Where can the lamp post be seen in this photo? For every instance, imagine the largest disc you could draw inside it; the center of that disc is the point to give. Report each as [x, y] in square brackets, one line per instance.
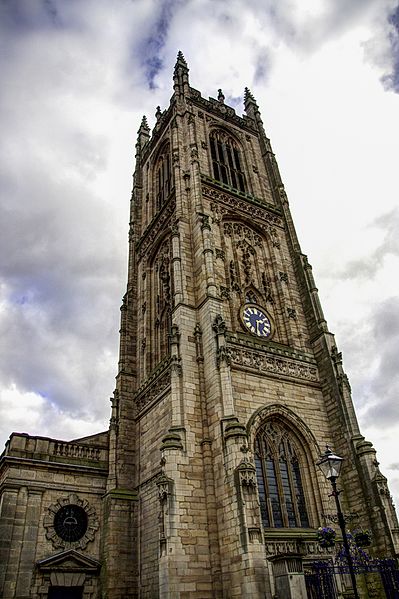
[330, 465]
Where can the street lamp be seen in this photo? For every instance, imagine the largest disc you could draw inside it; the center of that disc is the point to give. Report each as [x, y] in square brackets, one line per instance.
[330, 465]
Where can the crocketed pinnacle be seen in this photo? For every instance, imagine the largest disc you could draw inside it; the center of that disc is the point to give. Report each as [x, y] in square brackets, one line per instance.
[248, 97]
[144, 128]
[180, 61]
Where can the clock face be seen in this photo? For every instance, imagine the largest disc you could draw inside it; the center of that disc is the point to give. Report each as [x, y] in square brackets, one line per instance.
[70, 523]
[256, 321]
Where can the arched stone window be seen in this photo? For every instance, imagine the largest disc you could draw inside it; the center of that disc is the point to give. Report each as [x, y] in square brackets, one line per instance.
[162, 298]
[279, 469]
[163, 176]
[226, 160]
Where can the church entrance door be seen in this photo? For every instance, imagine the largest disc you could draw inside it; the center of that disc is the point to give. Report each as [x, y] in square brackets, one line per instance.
[65, 593]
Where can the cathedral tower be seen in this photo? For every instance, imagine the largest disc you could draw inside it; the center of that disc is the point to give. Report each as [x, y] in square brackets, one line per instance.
[230, 383]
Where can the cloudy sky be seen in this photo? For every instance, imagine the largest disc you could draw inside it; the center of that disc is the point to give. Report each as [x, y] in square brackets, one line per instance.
[77, 75]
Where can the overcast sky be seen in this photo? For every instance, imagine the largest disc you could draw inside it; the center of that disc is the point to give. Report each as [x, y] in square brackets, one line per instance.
[77, 76]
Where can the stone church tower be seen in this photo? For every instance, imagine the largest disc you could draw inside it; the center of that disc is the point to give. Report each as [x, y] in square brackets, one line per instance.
[229, 387]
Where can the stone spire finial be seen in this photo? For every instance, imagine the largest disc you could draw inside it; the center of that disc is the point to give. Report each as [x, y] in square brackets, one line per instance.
[249, 99]
[251, 107]
[144, 128]
[180, 75]
[158, 113]
[220, 96]
[180, 62]
[143, 134]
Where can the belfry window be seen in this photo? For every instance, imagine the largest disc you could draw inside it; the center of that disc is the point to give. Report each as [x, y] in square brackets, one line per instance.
[279, 477]
[163, 177]
[226, 160]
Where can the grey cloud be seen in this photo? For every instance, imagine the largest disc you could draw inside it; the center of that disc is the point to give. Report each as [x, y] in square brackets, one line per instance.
[383, 389]
[391, 79]
[369, 266]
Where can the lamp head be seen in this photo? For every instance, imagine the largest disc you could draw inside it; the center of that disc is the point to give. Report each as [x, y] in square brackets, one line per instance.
[330, 464]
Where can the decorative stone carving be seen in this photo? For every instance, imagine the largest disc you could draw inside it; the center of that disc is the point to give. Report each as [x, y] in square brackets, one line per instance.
[175, 365]
[247, 475]
[220, 254]
[157, 383]
[163, 483]
[219, 325]
[174, 229]
[241, 233]
[205, 222]
[234, 285]
[220, 110]
[263, 362]
[254, 535]
[267, 288]
[194, 152]
[224, 292]
[49, 522]
[223, 354]
[291, 313]
[174, 334]
[158, 226]
[230, 204]
[283, 277]
[274, 237]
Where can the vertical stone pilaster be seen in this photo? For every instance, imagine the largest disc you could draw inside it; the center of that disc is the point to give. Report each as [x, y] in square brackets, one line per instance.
[119, 575]
[7, 552]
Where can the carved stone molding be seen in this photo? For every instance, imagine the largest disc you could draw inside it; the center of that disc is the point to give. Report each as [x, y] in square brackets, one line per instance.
[158, 225]
[220, 110]
[219, 325]
[154, 386]
[172, 440]
[164, 484]
[223, 355]
[229, 204]
[247, 475]
[234, 430]
[283, 277]
[224, 292]
[205, 224]
[175, 365]
[263, 362]
[295, 546]
[50, 525]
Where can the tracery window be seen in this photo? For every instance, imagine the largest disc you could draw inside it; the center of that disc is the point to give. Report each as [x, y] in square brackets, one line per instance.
[279, 471]
[163, 300]
[226, 160]
[163, 177]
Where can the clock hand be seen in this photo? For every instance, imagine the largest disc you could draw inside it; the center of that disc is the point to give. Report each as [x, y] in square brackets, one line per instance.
[257, 326]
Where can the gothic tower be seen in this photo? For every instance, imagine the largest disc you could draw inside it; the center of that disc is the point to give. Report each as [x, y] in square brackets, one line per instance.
[229, 387]
[230, 384]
